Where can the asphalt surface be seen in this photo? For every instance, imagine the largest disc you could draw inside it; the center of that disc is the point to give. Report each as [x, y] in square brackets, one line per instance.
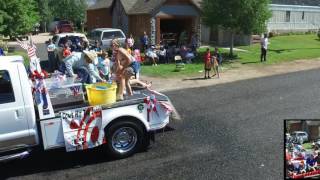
[41, 50]
[229, 131]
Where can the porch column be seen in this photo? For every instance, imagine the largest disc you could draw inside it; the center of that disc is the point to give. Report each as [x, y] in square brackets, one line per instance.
[158, 30]
[153, 31]
[198, 29]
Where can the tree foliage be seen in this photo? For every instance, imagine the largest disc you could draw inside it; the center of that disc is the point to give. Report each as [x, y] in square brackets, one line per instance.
[44, 12]
[17, 17]
[238, 16]
[73, 10]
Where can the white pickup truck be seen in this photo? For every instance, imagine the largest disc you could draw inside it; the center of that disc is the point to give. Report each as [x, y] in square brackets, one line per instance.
[123, 127]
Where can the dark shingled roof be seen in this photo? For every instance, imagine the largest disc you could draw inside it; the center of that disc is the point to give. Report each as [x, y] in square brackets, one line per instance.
[297, 2]
[101, 4]
[146, 6]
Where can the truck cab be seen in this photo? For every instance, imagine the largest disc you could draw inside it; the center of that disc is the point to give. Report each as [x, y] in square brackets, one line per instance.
[18, 127]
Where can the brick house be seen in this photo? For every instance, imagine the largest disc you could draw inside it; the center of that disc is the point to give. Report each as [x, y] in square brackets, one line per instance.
[156, 17]
[311, 127]
[99, 15]
[153, 16]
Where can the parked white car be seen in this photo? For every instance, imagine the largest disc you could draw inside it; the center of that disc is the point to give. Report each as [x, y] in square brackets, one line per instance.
[105, 36]
[302, 136]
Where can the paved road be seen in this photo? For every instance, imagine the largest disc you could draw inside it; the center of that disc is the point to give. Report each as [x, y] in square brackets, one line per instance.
[230, 131]
[41, 50]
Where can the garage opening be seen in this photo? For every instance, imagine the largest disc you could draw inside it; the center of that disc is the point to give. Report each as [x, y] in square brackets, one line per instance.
[173, 30]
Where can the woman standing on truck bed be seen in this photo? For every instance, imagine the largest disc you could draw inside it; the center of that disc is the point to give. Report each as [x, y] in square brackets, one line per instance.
[122, 68]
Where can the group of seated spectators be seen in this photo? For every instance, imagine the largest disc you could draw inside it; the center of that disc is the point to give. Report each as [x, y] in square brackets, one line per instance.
[164, 54]
[300, 161]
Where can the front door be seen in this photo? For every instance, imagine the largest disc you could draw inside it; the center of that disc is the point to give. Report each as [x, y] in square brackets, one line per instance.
[14, 131]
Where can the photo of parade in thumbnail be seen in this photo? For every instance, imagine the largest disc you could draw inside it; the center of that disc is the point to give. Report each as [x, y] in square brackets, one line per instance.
[302, 149]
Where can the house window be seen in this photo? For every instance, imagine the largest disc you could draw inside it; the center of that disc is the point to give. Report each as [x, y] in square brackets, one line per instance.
[302, 15]
[287, 16]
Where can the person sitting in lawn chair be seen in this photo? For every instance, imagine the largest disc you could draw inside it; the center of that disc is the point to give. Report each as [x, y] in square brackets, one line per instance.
[151, 54]
[187, 54]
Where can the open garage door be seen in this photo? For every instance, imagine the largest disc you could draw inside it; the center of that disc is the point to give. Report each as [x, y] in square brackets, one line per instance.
[173, 30]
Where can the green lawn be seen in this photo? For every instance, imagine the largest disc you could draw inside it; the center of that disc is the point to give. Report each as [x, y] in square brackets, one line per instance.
[281, 48]
[307, 145]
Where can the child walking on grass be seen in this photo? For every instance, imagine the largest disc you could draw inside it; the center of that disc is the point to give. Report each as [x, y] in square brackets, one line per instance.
[207, 64]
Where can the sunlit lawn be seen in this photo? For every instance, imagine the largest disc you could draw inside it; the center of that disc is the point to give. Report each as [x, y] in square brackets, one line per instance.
[281, 48]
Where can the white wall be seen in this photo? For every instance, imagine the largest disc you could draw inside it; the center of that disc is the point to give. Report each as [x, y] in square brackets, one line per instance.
[278, 23]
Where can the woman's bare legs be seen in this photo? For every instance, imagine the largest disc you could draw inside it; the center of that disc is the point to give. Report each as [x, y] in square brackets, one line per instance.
[128, 87]
[143, 84]
[121, 88]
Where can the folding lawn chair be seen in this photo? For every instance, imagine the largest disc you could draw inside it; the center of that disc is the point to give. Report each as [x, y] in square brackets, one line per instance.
[179, 64]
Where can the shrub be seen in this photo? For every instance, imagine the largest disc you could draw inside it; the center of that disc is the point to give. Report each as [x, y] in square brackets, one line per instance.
[3, 44]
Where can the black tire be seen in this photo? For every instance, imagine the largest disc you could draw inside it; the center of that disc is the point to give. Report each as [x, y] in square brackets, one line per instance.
[130, 134]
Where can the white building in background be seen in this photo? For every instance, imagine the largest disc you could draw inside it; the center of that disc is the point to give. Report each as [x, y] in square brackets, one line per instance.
[294, 18]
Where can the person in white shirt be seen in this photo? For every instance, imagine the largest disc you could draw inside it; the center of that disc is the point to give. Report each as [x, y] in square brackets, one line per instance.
[264, 48]
[51, 57]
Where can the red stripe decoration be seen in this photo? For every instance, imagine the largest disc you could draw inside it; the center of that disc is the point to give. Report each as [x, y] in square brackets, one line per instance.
[307, 175]
[23, 45]
[166, 106]
[83, 120]
[31, 48]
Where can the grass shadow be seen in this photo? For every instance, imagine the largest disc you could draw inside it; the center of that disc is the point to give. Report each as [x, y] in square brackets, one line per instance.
[278, 51]
[288, 50]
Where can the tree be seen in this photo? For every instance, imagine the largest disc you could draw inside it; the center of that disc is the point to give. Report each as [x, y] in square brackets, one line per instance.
[73, 10]
[237, 16]
[17, 17]
[45, 13]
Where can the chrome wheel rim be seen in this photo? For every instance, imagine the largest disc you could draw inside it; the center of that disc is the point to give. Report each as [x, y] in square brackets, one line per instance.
[124, 139]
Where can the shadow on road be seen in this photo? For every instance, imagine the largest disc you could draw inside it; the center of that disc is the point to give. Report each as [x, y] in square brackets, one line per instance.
[251, 62]
[48, 161]
[45, 162]
[194, 79]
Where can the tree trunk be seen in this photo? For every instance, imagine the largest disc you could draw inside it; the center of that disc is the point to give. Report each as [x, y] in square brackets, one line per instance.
[231, 44]
[45, 26]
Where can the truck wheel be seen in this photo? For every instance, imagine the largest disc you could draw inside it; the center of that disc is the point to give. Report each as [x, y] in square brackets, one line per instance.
[125, 138]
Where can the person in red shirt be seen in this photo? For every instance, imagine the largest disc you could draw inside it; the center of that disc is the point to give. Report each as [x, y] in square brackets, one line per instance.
[207, 63]
[66, 51]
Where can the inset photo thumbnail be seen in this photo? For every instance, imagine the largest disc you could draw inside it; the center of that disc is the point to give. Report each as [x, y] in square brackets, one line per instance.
[302, 149]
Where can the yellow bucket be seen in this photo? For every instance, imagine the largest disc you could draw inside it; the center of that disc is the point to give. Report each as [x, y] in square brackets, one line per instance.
[101, 93]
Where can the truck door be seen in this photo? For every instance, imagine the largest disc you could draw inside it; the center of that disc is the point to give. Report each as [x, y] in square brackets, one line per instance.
[14, 131]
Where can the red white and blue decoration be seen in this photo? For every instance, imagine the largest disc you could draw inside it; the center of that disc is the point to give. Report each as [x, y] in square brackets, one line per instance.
[82, 128]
